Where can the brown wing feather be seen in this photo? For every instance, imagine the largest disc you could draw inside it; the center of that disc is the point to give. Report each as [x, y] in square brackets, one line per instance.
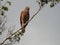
[21, 19]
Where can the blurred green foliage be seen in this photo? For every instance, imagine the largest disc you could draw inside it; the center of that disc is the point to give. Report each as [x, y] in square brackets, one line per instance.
[1, 0]
[52, 5]
[9, 2]
[2, 12]
[5, 8]
[53, 2]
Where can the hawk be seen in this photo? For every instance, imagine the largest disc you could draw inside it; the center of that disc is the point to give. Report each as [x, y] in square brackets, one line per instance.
[24, 17]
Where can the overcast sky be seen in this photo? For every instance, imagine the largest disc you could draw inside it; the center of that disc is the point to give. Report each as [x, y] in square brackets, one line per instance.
[44, 29]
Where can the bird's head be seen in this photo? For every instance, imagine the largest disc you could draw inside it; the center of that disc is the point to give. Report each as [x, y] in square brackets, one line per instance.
[27, 7]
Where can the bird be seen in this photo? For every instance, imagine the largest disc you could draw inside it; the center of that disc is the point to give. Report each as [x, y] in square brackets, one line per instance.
[24, 17]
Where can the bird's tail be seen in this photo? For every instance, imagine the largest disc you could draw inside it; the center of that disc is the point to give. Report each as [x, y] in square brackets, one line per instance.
[23, 30]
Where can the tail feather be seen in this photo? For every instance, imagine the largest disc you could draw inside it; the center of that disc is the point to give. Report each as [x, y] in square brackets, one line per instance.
[23, 30]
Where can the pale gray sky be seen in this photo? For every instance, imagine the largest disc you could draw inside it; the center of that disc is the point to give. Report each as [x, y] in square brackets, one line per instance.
[44, 29]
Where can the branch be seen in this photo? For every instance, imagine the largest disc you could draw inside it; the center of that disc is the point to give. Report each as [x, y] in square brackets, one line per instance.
[23, 26]
[3, 23]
